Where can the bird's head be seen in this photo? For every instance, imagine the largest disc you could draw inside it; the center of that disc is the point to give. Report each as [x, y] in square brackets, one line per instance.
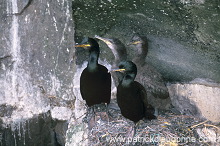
[130, 71]
[90, 44]
[140, 44]
[126, 67]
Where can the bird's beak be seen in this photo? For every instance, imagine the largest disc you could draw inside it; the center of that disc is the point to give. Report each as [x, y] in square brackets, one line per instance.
[120, 70]
[135, 43]
[105, 40]
[83, 45]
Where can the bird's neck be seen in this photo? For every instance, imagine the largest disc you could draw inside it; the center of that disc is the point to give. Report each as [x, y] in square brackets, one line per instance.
[128, 80]
[143, 50]
[119, 56]
[141, 55]
[93, 61]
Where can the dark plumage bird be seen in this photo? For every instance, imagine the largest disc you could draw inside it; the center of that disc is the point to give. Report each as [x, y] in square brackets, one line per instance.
[131, 95]
[148, 76]
[95, 81]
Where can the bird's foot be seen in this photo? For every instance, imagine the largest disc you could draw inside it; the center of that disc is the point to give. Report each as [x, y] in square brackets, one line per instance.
[90, 117]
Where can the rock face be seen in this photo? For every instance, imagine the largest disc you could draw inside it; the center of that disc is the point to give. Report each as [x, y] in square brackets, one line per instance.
[36, 67]
[77, 134]
[38, 130]
[184, 35]
[37, 50]
[199, 98]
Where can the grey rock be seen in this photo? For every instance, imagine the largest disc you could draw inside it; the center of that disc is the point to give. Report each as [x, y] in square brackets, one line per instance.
[6, 110]
[184, 36]
[36, 70]
[60, 130]
[39, 130]
[77, 134]
[37, 49]
[197, 98]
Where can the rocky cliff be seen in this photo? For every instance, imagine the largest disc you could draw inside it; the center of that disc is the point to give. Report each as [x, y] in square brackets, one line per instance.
[36, 67]
[39, 68]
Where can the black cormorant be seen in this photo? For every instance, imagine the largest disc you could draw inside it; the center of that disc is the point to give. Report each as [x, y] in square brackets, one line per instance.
[95, 80]
[131, 95]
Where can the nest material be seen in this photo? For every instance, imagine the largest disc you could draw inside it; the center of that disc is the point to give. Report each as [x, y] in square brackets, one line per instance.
[168, 129]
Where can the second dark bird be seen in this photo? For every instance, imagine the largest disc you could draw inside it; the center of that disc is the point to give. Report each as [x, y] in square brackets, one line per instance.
[131, 95]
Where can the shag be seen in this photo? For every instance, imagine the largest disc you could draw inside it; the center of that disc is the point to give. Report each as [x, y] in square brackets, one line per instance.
[95, 80]
[148, 76]
[131, 95]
